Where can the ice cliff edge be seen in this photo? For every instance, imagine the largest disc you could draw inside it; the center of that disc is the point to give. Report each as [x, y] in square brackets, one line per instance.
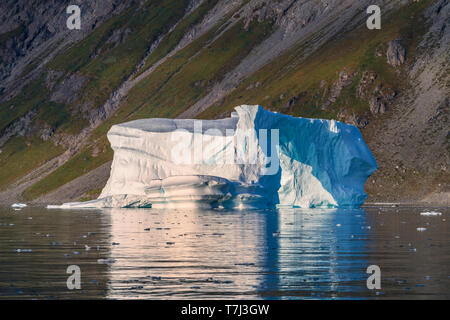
[255, 158]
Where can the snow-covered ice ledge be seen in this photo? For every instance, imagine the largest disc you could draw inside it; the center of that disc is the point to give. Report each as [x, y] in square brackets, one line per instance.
[254, 159]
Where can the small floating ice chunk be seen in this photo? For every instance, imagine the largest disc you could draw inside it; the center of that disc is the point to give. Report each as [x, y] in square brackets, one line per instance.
[431, 213]
[421, 229]
[18, 205]
[23, 250]
[106, 261]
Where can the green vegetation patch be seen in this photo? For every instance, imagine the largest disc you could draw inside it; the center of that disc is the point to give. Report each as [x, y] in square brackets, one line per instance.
[32, 96]
[292, 76]
[173, 38]
[19, 157]
[11, 34]
[91, 195]
[111, 52]
[87, 160]
[189, 75]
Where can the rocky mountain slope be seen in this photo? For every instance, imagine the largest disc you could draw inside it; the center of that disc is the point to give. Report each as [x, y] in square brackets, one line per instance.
[61, 90]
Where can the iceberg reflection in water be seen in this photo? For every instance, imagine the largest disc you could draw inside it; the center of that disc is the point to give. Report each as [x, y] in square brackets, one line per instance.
[256, 254]
[207, 254]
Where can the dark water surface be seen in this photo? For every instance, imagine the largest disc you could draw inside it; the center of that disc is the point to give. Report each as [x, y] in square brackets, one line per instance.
[283, 254]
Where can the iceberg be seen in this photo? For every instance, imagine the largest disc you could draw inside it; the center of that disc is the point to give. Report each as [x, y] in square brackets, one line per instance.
[254, 159]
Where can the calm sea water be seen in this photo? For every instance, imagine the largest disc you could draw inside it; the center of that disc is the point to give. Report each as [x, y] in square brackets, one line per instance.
[181, 254]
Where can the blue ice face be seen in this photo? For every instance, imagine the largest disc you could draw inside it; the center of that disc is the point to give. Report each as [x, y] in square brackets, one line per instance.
[324, 162]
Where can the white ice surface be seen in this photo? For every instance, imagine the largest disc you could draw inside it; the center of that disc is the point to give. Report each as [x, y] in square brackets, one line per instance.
[431, 213]
[19, 205]
[322, 163]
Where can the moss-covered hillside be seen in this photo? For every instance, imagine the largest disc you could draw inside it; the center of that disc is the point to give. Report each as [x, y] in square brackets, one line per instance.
[172, 58]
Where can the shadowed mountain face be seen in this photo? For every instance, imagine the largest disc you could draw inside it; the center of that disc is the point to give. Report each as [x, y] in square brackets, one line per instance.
[61, 90]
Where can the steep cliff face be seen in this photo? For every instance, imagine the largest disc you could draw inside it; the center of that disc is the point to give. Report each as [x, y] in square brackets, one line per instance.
[61, 90]
[33, 32]
[412, 140]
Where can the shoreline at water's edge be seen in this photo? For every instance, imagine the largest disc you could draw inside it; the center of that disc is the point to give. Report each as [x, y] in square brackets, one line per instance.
[405, 205]
[424, 205]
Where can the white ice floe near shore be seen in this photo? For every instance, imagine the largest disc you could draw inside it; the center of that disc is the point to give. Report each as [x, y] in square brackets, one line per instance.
[255, 158]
